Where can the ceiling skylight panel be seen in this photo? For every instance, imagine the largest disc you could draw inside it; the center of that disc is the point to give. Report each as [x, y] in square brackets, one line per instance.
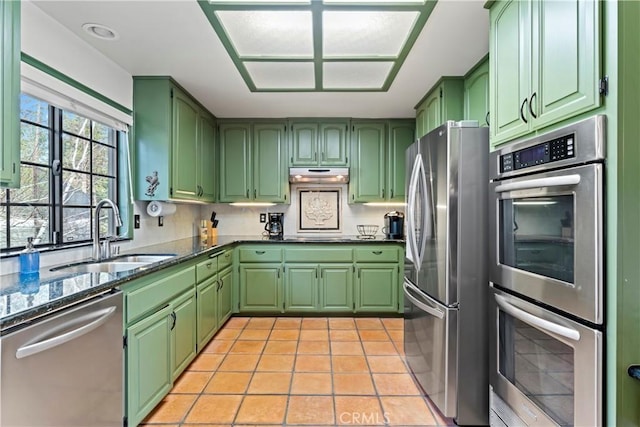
[375, 2]
[282, 75]
[259, 2]
[269, 34]
[355, 75]
[366, 34]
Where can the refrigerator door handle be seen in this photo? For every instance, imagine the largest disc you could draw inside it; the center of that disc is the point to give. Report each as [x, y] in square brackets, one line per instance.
[529, 318]
[422, 305]
[412, 253]
[425, 229]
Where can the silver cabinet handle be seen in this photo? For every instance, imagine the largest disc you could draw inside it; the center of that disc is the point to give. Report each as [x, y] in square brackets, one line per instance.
[529, 318]
[421, 305]
[47, 344]
[556, 181]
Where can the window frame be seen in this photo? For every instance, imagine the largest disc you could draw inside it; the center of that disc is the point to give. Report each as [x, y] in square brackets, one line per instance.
[56, 205]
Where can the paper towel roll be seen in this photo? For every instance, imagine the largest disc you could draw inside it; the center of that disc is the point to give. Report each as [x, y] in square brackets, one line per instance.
[156, 208]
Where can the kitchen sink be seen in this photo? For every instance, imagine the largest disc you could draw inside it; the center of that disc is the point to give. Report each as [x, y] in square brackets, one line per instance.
[114, 265]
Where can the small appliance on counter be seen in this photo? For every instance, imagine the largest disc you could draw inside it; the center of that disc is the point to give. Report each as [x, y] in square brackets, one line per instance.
[393, 225]
[275, 226]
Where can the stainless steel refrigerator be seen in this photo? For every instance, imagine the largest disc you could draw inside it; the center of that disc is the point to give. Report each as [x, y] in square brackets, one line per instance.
[446, 279]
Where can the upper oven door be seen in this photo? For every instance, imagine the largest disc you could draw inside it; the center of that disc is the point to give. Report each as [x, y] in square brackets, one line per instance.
[547, 239]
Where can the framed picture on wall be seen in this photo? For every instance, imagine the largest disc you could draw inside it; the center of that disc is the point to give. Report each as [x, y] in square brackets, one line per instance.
[319, 210]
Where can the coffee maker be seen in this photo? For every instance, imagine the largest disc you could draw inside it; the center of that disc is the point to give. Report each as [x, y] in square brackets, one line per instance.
[393, 225]
[275, 225]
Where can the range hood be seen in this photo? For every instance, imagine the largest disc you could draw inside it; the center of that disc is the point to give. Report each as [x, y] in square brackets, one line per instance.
[319, 175]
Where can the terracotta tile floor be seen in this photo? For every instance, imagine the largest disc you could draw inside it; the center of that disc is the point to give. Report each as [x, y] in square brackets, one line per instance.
[299, 372]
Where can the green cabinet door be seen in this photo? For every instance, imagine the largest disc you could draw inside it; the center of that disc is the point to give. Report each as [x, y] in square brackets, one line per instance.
[260, 285]
[421, 120]
[10, 94]
[301, 287]
[304, 144]
[148, 364]
[183, 332]
[510, 70]
[225, 296]
[208, 162]
[401, 136]
[476, 94]
[433, 116]
[270, 172]
[565, 78]
[336, 287]
[377, 287]
[235, 157]
[334, 144]
[207, 310]
[368, 165]
[185, 147]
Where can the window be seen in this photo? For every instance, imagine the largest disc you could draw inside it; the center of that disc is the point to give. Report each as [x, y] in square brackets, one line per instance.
[68, 164]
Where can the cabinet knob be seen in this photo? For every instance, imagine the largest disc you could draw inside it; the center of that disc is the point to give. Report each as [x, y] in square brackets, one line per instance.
[209, 264]
[634, 371]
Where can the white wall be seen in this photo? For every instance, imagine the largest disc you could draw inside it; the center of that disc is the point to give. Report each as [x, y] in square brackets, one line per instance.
[48, 41]
[245, 221]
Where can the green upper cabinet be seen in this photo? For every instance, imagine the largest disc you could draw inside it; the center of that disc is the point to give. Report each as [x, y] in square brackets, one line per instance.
[10, 94]
[185, 146]
[208, 160]
[476, 93]
[253, 162]
[235, 157]
[270, 174]
[324, 143]
[401, 136]
[367, 175]
[539, 75]
[443, 102]
[378, 167]
[175, 144]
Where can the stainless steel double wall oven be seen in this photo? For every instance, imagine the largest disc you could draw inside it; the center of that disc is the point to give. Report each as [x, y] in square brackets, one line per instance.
[546, 210]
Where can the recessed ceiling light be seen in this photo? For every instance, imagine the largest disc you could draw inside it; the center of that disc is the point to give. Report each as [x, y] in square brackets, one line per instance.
[101, 31]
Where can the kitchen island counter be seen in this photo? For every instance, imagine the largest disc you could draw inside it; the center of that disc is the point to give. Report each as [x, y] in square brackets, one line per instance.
[22, 301]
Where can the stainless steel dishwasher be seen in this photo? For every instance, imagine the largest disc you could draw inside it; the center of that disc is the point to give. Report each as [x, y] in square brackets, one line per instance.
[65, 369]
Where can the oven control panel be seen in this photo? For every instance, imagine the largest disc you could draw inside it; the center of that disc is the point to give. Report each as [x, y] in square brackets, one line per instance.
[546, 152]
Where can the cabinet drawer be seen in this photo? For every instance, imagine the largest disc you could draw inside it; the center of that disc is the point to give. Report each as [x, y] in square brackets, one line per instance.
[224, 260]
[377, 254]
[206, 269]
[260, 255]
[158, 292]
[318, 255]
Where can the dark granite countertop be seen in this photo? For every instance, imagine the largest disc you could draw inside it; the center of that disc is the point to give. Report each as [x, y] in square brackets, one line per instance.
[22, 301]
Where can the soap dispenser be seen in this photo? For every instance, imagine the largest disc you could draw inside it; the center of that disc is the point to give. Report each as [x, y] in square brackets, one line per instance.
[29, 260]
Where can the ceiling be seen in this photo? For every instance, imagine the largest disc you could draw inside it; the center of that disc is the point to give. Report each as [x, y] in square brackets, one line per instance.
[175, 38]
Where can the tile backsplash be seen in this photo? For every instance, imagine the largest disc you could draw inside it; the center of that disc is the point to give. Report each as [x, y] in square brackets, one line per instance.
[241, 221]
[244, 221]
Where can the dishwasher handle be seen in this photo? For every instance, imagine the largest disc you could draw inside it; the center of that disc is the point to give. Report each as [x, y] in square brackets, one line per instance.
[38, 347]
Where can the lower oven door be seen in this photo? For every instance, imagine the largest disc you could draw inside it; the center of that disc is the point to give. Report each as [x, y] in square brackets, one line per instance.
[547, 368]
[431, 347]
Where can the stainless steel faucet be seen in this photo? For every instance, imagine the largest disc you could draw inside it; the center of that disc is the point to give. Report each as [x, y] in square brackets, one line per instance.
[97, 253]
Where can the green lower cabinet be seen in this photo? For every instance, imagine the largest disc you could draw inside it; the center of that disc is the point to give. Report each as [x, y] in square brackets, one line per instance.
[225, 296]
[183, 332]
[336, 288]
[260, 287]
[207, 310]
[301, 288]
[377, 287]
[148, 364]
